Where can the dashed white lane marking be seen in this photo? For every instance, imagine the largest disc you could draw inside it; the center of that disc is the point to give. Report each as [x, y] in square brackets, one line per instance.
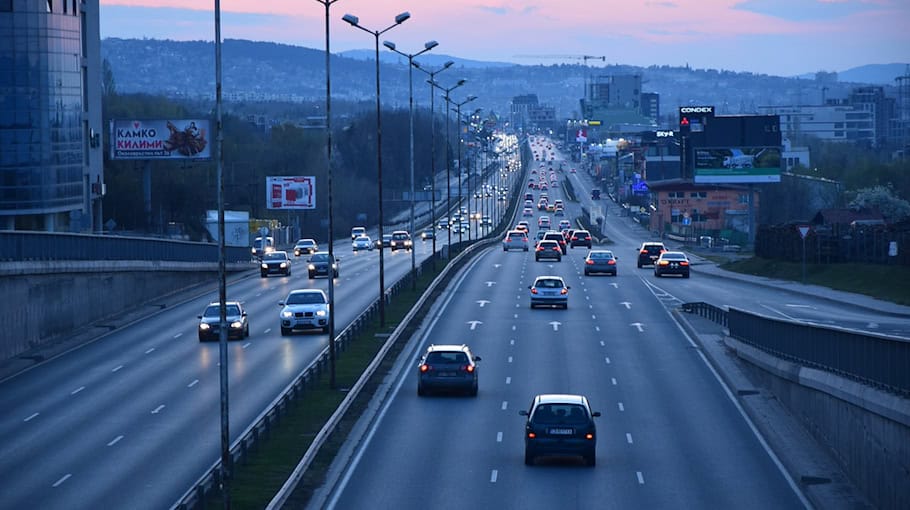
[517, 305]
[593, 317]
[607, 360]
[602, 344]
[267, 331]
[246, 345]
[597, 328]
[510, 359]
[158, 409]
[505, 405]
[63, 479]
[493, 476]
[514, 328]
[499, 437]
[515, 316]
[613, 380]
[512, 342]
[621, 407]
[150, 350]
[118, 367]
[178, 335]
[629, 437]
[641, 478]
[194, 383]
[508, 380]
[77, 390]
[32, 417]
[115, 440]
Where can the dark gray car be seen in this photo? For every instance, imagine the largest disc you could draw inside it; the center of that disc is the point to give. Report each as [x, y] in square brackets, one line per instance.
[319, 265]
[600, 261]
[447, 368]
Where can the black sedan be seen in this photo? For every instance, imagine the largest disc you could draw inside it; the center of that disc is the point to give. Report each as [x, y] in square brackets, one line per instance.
[600, 261]
[318, 265]
[238, 326]
[672, 262]
[276, 262]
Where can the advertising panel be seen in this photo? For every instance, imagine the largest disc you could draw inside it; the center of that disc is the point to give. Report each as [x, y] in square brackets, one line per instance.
[290, 192]
[737, 165]
[160, 139]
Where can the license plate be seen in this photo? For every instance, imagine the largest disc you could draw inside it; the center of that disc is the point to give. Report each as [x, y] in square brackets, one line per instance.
[561, 432]
[446, 374]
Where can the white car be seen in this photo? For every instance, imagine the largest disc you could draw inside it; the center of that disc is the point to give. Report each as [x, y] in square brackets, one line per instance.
[362, 243]
[304, 309]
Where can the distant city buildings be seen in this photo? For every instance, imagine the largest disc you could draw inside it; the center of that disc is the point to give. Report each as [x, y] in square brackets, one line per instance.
[619, 105]
[527, 114]
[51, 160]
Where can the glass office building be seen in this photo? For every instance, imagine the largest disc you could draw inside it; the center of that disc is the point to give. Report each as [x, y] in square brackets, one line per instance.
[45, 125]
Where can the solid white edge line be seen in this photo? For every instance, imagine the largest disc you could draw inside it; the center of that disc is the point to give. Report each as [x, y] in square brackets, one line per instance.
[118, 367]
[194, 383]
[115, 440]
[150, 350]
[32, 417]
[77, 390]
[352, 465]
[62, 479]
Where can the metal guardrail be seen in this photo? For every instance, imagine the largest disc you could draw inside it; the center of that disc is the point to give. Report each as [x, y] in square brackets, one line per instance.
[878, 360]
[19, 246]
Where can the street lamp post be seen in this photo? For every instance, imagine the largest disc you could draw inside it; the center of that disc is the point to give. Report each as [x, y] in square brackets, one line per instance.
[328, 160]
[432, 75]
[461, 168]
[448, 100]
[354, 21]
[426, 47]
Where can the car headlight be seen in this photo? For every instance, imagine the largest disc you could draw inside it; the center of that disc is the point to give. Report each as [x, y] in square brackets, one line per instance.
[334, 266]
[286, 314]
[311, 267]
[320, 313]
[265, 266]
[236, 325]
[284, 265]
[253, 251]
[204, 326]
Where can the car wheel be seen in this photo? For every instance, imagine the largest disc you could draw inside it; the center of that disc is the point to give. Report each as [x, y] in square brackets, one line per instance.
[529, 459]
[336, 274]
[591, 460]
[639, 265]
[685, 275]
[325, 330]
[565, 306]
[558, 259]
[587, 273]
[201, 338]
[285, 331]
[420, 391]
[473, 391]
[310, 275]
[505, 249]
[526, 249]
[246, 332]
[656, 274]
[536, 259]
[263, 275]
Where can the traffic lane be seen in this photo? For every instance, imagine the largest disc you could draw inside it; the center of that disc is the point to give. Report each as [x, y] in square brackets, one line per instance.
[131, 419]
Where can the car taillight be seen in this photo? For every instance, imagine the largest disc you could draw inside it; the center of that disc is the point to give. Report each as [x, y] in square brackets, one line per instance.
[556, 248]
[611, 262]
[424, 367]
[574, 238]
[589, 436]
[684, 263]
[468, 368]
[663, 263]
[533, 290]
[539, 248]
[564, 291]
[531, 435]
[644, 252]
[589, 262]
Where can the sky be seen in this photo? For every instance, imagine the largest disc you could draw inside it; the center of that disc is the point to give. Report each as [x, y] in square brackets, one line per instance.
[777, 37]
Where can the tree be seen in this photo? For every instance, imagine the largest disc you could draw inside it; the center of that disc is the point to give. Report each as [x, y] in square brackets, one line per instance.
[883, 198]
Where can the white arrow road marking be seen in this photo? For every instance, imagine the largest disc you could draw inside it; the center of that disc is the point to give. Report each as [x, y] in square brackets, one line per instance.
[178, 335]
[615, 285]
[497, 266]
[555, 325]
[638, 325]
[474, 324]
[490, 284]
[627, 304]
[158, 409]
[482, 302]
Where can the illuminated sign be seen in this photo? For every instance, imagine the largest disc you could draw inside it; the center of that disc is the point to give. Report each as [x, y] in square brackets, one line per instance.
[666, 134]
[697, 109]
[290, 192]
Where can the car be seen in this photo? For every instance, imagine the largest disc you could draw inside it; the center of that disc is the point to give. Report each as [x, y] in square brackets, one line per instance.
[515, 240]
[235, 318]
[560, 425]
[486, 221]
[261, 246]
[276, 262]
[538, 237]
[362, 243]
[385, 242]
[319, 265]
[427, 233]
[572, 171]
[307, 246]
[564, 225]
[552, 235]
[527, 212]
[549, 291]
[523, 225]
[358, 231]
[528, 198]
[600, 261]
[304, 309]
[580, 238]
[401, 240]
[543, 222]
[559, 211]
[551, 208]
[672, 262]
[547, 249]
[447, 368]
[649, 252]
[559, 203]
[542, 204]
[442, 224]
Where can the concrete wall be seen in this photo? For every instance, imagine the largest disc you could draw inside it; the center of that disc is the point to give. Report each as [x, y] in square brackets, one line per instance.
[867, 430]
[44, 301]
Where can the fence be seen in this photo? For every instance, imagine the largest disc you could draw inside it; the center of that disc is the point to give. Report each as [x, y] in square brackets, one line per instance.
[868, 244]
[877, 360]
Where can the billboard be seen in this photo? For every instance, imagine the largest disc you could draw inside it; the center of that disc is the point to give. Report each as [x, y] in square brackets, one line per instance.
[290, 192]
[160, 139]
[737, 165]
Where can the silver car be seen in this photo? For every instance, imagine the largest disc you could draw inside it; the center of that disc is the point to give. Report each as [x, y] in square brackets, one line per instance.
[304, 309]
[549, 291]
[515, 240]
[362, 243]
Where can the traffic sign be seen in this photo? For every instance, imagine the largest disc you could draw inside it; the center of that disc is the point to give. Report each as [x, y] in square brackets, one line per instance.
[804, 231]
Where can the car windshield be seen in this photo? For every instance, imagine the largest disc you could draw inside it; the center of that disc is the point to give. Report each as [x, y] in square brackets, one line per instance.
[305, 243]
[560, 413]
[275, 255]
[319, 257]
[674, 256]
[305, 298]
[213, 311]
[548, 284]
[441, 357]
[601, 255]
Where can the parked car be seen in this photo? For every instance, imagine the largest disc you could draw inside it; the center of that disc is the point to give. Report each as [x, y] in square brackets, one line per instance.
[549, 291]
[515, 240]
[562, 425]
[362, 243]
[319, 265]
[304, 309]
[236, 319]
[401, 240]
[649, 252]
[547, 249]
[447, 368]
[672, 262]
[600, 261]
[276, 262]
[307, 246]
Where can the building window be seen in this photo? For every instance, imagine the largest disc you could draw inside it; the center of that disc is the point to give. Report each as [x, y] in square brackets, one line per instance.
[698, 194]
[743, 198]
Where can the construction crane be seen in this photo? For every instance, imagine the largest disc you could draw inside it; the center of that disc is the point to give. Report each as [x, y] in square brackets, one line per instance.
[584, 58]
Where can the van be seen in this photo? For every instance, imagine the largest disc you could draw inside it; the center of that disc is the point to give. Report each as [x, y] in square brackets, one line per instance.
[358, 231]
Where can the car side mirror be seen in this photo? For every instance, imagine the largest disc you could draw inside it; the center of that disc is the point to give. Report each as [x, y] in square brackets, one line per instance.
[198, 316]
[595, 414]
[476, 358]
[281, 303]
[243, 314]
[568, 286]
[522, 413]
[530, 286]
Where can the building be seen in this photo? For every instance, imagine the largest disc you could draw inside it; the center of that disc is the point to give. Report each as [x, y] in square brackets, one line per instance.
[51, 160]
[691, 210]
[835, 121]
[619, 105]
